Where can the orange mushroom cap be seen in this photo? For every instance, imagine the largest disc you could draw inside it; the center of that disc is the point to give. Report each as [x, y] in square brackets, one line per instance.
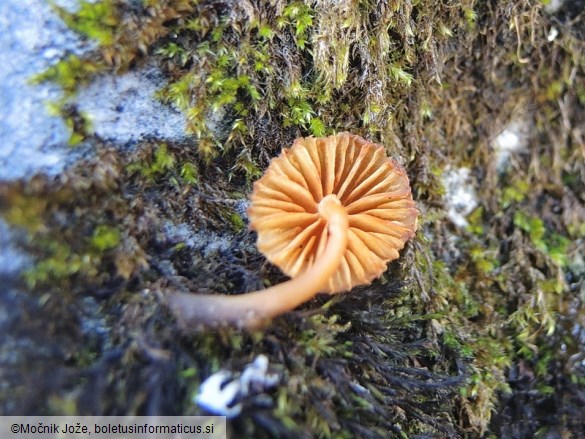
[373, 188]
[330, 212]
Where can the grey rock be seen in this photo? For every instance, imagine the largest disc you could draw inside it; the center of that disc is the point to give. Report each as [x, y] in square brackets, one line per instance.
[32, 38]
[12, 260]
[122, 108]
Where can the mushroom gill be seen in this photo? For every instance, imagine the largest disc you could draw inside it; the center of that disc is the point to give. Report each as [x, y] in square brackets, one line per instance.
[330, 213]
[373, 188]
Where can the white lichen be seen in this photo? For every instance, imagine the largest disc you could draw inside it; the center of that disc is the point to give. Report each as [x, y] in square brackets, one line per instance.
[460, 196]
[511, 140]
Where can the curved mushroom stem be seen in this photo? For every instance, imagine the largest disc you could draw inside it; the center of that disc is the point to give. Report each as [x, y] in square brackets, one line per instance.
[253, 309]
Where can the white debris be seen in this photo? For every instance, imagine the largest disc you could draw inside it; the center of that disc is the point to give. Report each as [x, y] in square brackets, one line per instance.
[553, 6]
[223, 392]
[218, 393]
[256, 376]
[553, 34]
[512, 139]
[460, 196]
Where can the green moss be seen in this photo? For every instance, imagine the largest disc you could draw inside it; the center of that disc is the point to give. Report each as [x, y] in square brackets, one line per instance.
[485, 259]
[515, 193]
[189, 173]
[96, 20]
[174, 51]
[59, 264]
[321, 339]
[237, 222]
[69, 73]
[476, 221]
[162, 162]
[105, 238]
[25, 212]
[533, 226]
[554, 245]
[233, 63]
[299, 17]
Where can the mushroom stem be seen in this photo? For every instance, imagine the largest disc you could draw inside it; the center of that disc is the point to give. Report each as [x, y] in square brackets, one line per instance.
[255, 308]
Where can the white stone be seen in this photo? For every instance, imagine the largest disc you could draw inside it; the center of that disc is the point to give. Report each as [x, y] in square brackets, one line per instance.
[511, 140]
[460, 196]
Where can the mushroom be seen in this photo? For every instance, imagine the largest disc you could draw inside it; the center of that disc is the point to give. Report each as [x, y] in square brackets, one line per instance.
[330, 213]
